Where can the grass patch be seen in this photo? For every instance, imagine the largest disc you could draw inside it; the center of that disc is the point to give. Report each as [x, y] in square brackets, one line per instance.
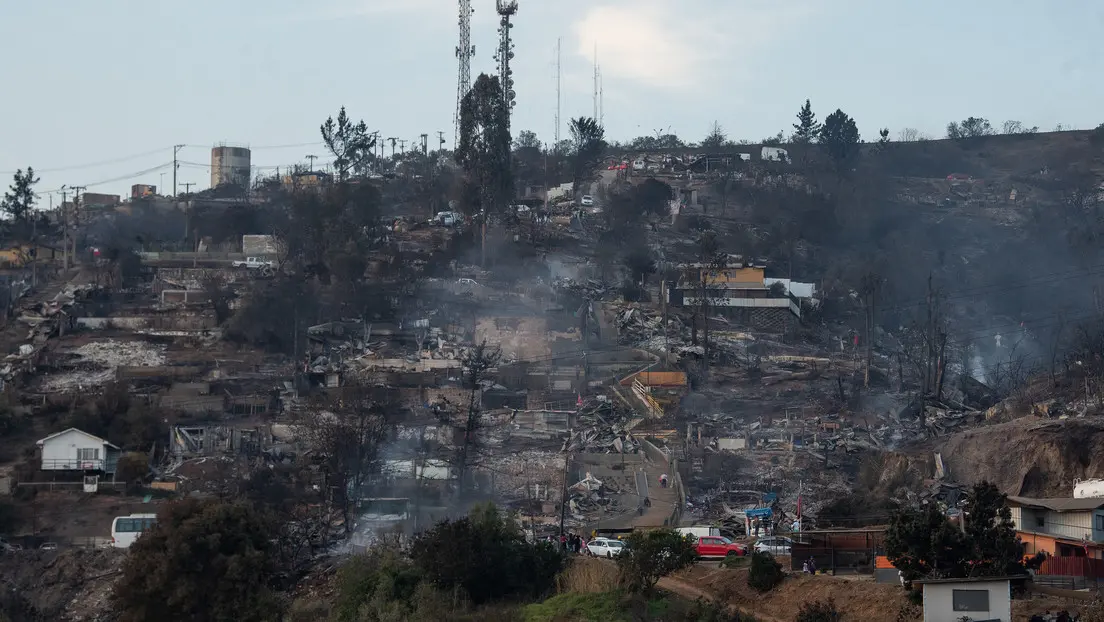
[575, 607]
[586, 575]
[612, 606]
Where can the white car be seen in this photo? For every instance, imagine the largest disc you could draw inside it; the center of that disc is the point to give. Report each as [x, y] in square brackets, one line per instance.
[775, 545]
[605, 547]
[587, 201]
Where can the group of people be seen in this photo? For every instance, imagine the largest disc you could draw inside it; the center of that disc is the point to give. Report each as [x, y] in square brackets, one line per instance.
[569, 543]
[1061, 616]
[809, 566]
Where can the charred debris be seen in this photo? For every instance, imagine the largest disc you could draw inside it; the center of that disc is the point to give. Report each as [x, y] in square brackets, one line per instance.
[384, 352]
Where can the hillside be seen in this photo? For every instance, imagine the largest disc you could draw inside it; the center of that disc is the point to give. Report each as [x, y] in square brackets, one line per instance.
[1030, 456]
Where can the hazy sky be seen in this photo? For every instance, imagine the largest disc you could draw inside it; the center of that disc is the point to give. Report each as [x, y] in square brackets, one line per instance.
[103, 89]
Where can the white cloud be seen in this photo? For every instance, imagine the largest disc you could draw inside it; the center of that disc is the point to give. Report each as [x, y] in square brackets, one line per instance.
[679, 44]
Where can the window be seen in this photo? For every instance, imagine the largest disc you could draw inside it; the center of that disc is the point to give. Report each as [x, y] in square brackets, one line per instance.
[970, 600]
[1099, 521]
[85, 454]
[1040, 521]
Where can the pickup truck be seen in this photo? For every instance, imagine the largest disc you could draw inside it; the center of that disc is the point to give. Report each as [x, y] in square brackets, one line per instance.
[253, 263]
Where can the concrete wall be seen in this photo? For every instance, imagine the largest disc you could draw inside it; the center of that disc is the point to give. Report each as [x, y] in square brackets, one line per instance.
[939, 601]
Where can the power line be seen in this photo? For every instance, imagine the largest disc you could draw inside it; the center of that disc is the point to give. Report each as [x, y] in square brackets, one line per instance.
[135, 156]
[75, 167]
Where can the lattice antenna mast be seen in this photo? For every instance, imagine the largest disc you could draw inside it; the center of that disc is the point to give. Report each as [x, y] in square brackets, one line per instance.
[464, 53]
[506, 9]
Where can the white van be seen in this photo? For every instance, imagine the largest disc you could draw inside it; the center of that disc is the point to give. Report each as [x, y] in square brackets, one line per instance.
[699, 532]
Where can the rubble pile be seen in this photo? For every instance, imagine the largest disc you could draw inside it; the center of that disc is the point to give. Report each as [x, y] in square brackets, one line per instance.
[590, 498]
[97, 361]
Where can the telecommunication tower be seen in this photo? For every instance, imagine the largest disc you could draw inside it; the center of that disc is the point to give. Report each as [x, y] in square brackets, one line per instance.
[464, 53]
[506, 9]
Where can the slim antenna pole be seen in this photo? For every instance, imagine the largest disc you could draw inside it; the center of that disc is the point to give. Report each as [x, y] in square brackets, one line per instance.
[596, 82]
[559, 99]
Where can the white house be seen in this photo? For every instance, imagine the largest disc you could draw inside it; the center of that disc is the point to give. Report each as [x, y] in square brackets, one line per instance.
[74, 450]
[979, 599]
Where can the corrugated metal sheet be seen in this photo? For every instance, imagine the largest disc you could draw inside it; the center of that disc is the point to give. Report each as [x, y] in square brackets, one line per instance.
[1073, 567]
[1059, 504]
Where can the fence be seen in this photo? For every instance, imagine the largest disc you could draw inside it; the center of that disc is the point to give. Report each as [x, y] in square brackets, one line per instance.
[839, 561]
[1073, 567]
[72, 486]
[30, 543]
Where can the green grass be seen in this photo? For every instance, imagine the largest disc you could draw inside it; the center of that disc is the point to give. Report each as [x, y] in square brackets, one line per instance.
[575, 607]
[592, 607]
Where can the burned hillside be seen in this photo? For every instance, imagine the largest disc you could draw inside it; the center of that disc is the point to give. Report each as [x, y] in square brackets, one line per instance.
[620, 340]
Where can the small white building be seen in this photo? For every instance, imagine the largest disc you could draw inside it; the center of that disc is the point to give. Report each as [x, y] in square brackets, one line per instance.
[979, 599]
[75, 450]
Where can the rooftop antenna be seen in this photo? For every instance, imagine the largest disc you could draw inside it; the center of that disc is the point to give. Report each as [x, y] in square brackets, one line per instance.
[464, 53]
[506, 9]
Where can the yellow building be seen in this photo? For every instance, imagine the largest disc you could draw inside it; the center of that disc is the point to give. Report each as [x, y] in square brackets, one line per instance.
[19, 255]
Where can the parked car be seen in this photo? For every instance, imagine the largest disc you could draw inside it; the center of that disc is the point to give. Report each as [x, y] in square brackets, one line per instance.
[605, 547]
[775, 545]
[587, 201]
[718, 546]
[49, 546]
[253, 263]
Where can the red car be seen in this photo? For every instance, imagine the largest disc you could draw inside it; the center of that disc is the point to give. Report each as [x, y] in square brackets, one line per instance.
[718, 546]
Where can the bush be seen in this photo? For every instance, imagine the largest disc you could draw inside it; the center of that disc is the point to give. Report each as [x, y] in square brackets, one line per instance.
[132, 468]
[378, 581]
[204, 560]
[1096, 136]
[819, 611]
[650, 555]
[765, 573]
[487, 557]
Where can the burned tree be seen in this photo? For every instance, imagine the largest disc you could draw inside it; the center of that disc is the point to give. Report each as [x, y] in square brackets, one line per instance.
[710, 262]
[348, 429]
[468, 420]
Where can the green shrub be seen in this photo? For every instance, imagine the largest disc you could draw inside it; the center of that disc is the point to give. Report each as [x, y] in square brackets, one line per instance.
[765, 573]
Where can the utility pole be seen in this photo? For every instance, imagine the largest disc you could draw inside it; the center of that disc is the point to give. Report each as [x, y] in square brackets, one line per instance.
[64, 217]
[563, 492]
[76, 209]
[312, 158]
[425, 144]
[441, 140]
[187, 186]
[176, 150]
[402, 145]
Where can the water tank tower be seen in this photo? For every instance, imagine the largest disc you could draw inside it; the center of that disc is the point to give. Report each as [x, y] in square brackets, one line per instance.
[229, 165]
[1088, 488]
